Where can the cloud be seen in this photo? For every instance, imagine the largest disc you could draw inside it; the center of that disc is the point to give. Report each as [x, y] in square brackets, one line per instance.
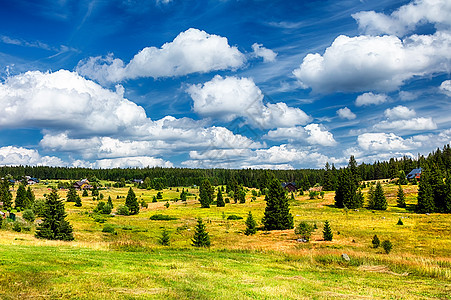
[313, 134]
[445, 87]
[231, 97]
[192, 51]
[132, 162]
[14, 156]
[267, 54]
[65, 100]
[415, 124]
[346, 113]
[316, 135]
[380, 63]
[370, 98]
[406, 18]
[399, 113]
[385, 142]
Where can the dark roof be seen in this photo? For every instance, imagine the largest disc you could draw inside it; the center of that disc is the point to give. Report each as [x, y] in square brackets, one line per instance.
[414, 173]
[284, 184]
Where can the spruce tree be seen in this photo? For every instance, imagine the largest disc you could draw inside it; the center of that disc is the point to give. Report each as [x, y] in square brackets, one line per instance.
[78, 201]
[327, 232]
[371, 197]
[30, 197]
[438, 187]
[132, 202]
[183, 195]
[380, 201]
[251, 225]
[220, 200]
[110, 202]
[205, 194]
[402, 178]
[21, 197]
[347, 192]
[71, 195]
[376, 242]
[448, 195]
[401, 198]
[164, 239]
[54, 225]
[425, 194]
[201, 237]
[5, 195]
[277, 212]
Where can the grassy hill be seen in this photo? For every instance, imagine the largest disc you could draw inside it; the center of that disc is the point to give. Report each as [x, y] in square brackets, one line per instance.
[130, 264]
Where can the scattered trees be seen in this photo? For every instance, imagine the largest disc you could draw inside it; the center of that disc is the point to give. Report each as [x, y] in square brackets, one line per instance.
[54, 225]
[277, 212]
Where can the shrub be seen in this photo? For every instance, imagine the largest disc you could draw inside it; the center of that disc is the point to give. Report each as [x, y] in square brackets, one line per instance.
[17, 227]
[164, 239]
[108, 228]
[159, 195]
[123, 210]
[28, 215]
[161, 217]
[166, 204]
[234, 217]
[103, 208]
[313, 194]
[400, 222]
[85, 193]
[304, 230]
[387, 245]
[38, 207]
[227, 200]
[144, 204]
[376, 242]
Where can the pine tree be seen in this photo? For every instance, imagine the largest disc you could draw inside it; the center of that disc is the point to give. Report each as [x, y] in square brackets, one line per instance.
[347, 192]
[448, 195]
[219, 199]
[327, 232]
[201, 237]
[54, 225]
[376, 242]
[402, 178]
[5, 195]
[21, 197]
[132, 202]
[401, 198]
[30, 197]
[380, 201]
[183, 195]
[164, 239]
[277, 212]
[425, 194]
[438, 187]
[205, 194]
[251, 225]
[78, 201]
[371, 197]
[71, 195]
[110, 202]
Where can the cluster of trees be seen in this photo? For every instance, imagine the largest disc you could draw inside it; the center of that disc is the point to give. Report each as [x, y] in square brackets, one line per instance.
[434, 193]
[25, 198]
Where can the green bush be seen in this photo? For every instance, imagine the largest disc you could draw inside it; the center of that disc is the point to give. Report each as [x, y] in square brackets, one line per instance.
[376, 242]
[304, 230]
[161, 217]
[400, 222]
[17, 227]
[108, 228]
[28, 215]
[123, 210]
[234, 217]
[164, 239]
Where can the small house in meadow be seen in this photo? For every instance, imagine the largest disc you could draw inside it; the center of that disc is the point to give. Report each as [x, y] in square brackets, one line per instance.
[289, 186]
[415, 173]
[82, 185]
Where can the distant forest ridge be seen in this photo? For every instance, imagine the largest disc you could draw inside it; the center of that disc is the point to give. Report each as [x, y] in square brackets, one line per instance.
[440, 159]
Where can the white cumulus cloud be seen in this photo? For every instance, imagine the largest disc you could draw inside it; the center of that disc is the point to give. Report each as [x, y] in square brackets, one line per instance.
[415, 124]
[267, 54]
[445, 87]
[318, 136]
[370, 99]
[385, 142]
[231, 97]
[399, 113]
[14, 156]
[192, 51]
[132, 162]
[346, 113]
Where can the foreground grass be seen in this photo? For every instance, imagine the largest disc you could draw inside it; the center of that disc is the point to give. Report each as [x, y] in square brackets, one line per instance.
[48, 272]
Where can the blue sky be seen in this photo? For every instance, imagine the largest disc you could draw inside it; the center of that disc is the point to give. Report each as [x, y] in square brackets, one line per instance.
[222, 83]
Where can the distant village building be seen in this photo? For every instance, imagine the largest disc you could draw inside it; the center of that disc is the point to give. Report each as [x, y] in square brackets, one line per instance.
[289, 186]
[415, 173]
[82, 185]
[316, 189]
[138, 181]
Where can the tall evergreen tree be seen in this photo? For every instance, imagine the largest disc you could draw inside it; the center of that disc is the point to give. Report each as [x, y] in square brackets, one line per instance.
[183, 195]
[31, 198]
[425, 194]
[219, 199]
[352, 166]
[251, 225]
[379, 199]
[438, 187]
[328, 183]
[21, 197]
[400, 197]
[78, 201]
[277, 212]
[327, 232]
[201, 237]
[110, 202]
[402, 178]
[371, 197]
[54, 225]
[132, 202]
[5, 195]
[71, 195]
[347, 193]
[448, 195]
[205, 194]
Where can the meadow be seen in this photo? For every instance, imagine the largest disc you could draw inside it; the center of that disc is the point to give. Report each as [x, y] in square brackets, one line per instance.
[130, 263]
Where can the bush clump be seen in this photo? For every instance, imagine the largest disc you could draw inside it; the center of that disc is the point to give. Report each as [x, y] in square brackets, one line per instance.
[108, 228]
[161, 217]
[304, 230]
[376, 242]
[123, 210]
[387, 245]
[28, 215]
[234, 217]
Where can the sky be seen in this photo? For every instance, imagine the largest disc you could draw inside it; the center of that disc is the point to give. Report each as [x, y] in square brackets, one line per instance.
[222, 83]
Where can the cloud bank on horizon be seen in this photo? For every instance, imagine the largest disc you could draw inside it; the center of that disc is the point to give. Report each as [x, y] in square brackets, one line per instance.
[226, 97]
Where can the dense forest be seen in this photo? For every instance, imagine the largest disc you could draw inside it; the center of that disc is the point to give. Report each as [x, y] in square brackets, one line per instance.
[305, 178]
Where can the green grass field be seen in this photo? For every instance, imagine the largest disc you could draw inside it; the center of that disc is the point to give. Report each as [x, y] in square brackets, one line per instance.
[131, 264]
